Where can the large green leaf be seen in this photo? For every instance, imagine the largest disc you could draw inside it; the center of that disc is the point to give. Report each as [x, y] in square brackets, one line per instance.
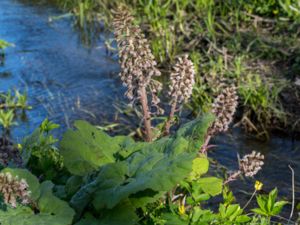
[25, 216]
[200, 167]
[148, 170]
[20, 216]
[87, 148]
[142, 171]
[52, 206]
[88, 221]
[73, 184]
[172, 219]
[160, 175]
[53, 211]
[112, 176]
[211, 185]
[123, 214]
[195, 131]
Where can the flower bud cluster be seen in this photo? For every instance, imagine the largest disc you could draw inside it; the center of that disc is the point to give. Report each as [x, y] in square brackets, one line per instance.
[224, 108]
[13, 189]
[250, 164]
[182, 80]
[138, 65]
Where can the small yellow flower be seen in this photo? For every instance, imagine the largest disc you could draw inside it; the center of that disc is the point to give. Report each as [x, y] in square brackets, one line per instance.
[181, 210]
[275, 12]
[19, 146]
[258, 185]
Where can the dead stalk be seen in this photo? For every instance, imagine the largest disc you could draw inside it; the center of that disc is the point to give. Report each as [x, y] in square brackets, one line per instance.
[293, 186]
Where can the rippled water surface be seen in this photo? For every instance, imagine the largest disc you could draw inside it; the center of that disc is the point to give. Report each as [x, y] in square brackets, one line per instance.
[63, 79]
[66, 81]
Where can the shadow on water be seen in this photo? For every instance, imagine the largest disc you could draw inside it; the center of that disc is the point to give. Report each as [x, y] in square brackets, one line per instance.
[66, 81]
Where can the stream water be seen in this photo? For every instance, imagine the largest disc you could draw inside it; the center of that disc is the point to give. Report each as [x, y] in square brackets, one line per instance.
[63, 79]
[66, 81]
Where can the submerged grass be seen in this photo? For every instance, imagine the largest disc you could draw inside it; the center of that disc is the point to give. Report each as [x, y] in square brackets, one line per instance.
[252, 44]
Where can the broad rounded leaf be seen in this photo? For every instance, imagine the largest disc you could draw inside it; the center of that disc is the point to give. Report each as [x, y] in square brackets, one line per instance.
[53, 206]
[87, 148]
[146, 170]
[211, 185]
[200, 167]
[73, 184]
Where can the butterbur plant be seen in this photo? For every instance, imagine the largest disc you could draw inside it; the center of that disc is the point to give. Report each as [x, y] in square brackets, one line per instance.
[223, 108]
[138, 65]
[13, 189]
[182, 80]
[249, 166]
[138, 68]
[91, 177]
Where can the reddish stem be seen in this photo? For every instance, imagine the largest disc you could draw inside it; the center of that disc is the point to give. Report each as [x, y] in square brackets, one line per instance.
[205, 145]
[146, 113]
[232, 177]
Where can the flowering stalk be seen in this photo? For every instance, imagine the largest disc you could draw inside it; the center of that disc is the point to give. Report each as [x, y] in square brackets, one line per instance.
[249, 166]
[181, 86]
[223, 108]
[138, 66]
[13, 189]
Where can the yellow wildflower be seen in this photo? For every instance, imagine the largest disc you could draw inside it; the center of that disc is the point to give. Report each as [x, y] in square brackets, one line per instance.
[181, 210]
[258, 185]
[19, 146]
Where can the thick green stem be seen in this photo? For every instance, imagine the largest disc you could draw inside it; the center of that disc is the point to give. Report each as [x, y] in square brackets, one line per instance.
[171, 117]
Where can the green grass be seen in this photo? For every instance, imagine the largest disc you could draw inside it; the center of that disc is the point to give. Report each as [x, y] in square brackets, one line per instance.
[254, 44]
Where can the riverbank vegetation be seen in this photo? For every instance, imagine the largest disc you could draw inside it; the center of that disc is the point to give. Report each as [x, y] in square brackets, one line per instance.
[163, 178]
[252, 44]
